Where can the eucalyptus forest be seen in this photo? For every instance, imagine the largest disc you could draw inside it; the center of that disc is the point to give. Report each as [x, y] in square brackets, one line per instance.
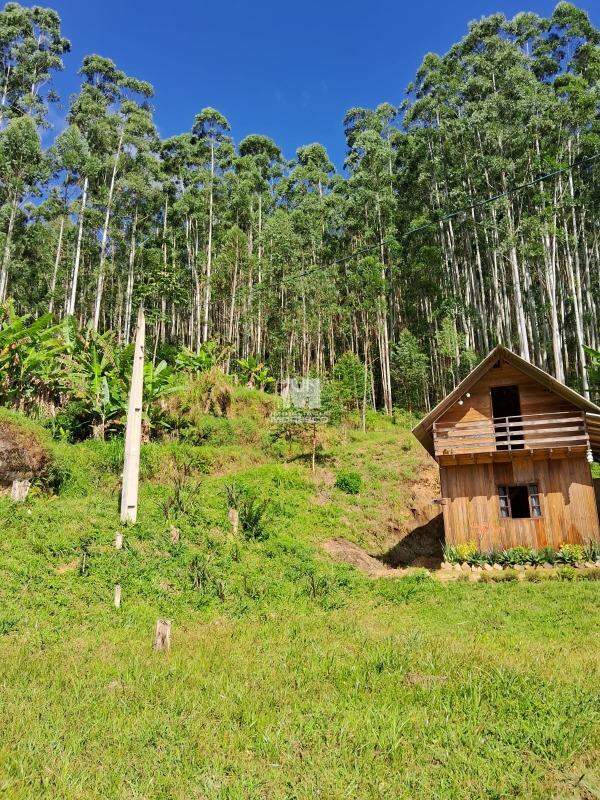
[466, 213]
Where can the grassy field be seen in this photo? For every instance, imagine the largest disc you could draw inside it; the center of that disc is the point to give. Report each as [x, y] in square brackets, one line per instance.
[289, 676]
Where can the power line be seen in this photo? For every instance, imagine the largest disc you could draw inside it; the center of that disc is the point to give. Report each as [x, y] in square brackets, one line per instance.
[450, 215]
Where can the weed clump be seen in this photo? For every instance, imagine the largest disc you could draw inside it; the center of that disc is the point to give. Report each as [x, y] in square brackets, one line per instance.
[252, 510]
[348, 481]
[497, 576]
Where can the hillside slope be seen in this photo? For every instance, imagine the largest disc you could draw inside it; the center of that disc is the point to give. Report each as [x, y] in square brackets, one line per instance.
[290, 675]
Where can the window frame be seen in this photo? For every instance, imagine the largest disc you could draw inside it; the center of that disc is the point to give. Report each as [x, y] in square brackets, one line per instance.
[533, 497]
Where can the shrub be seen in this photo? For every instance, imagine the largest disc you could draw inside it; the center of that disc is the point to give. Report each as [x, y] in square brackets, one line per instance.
[567, 573]
[478, 559]
[517, 555]
[570, 554]
[210, 430]
[505, 576]
[465, 550]
[534, 575]
[348, 481]
[592, 574]
[207, 393]
[547, 555]
[539, 575]
[332, 402]
[591, 551]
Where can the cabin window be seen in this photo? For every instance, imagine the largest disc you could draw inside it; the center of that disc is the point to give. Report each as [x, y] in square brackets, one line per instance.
[520, 502]
[534, 500]
[504, 501]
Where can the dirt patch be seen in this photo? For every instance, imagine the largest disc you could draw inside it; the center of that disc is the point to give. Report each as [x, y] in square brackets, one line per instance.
[349, 553]
[22, 455]
[62, 568]
[414, 542]
[418, 539]
[422, 546]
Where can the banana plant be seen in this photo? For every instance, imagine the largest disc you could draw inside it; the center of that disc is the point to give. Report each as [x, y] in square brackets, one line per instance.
[209, 355]
[95, 382]
[159, 382]
[254, 373]
[30, 367]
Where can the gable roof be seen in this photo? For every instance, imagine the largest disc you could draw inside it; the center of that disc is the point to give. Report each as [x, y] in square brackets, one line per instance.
[423, 431]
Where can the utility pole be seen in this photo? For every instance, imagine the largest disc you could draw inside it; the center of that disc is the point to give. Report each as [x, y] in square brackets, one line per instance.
[133, 432]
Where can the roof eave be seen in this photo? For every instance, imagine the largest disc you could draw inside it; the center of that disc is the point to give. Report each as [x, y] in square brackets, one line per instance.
[423, 430]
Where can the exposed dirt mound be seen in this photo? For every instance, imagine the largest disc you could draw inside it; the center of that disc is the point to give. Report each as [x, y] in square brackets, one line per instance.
[22, 455]
[416, 541]
[422, 546]
[350, 553]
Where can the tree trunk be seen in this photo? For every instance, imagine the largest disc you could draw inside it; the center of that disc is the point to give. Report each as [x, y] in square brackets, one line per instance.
[70, 309]
[130, 280]
[104, 241]
[207, 288]
[56, 264]
[7, 244]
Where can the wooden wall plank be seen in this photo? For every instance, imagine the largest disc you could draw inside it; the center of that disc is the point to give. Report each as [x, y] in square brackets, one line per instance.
[567, 499]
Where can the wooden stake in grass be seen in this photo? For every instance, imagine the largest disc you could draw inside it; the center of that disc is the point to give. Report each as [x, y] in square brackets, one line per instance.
[162, 635]
[234, 518]
[118, 595]
[133, 433]
[19, 490]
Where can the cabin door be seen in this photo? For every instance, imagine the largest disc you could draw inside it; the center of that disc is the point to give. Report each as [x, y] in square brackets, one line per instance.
[506, 411]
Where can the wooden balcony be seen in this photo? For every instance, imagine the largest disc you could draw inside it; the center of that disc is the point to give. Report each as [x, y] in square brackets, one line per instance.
[559, 431]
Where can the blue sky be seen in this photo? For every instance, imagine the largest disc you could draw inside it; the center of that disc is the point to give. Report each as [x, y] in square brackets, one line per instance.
[288, 70]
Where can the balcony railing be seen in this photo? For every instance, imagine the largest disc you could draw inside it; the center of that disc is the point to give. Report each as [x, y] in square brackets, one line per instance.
[525, 432]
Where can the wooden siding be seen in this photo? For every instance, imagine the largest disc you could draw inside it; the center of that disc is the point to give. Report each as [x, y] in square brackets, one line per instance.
[532, 432]
[535, 398]
[472, 511]
[470, 427]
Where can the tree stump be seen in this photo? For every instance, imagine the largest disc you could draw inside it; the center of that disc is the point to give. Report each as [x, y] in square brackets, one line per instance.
[162, 635]
[19, 490]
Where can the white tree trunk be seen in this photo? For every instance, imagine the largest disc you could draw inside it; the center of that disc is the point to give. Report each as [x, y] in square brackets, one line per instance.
[104, 241]
[56, 264]
[6, 254]
[70, 308]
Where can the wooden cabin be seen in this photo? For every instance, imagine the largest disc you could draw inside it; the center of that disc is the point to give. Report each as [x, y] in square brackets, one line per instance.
[513, 446]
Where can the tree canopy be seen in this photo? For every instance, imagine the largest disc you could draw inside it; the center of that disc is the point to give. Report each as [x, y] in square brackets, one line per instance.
[464, 216]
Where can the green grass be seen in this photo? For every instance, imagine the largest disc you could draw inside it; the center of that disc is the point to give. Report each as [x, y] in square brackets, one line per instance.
[289, 677]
